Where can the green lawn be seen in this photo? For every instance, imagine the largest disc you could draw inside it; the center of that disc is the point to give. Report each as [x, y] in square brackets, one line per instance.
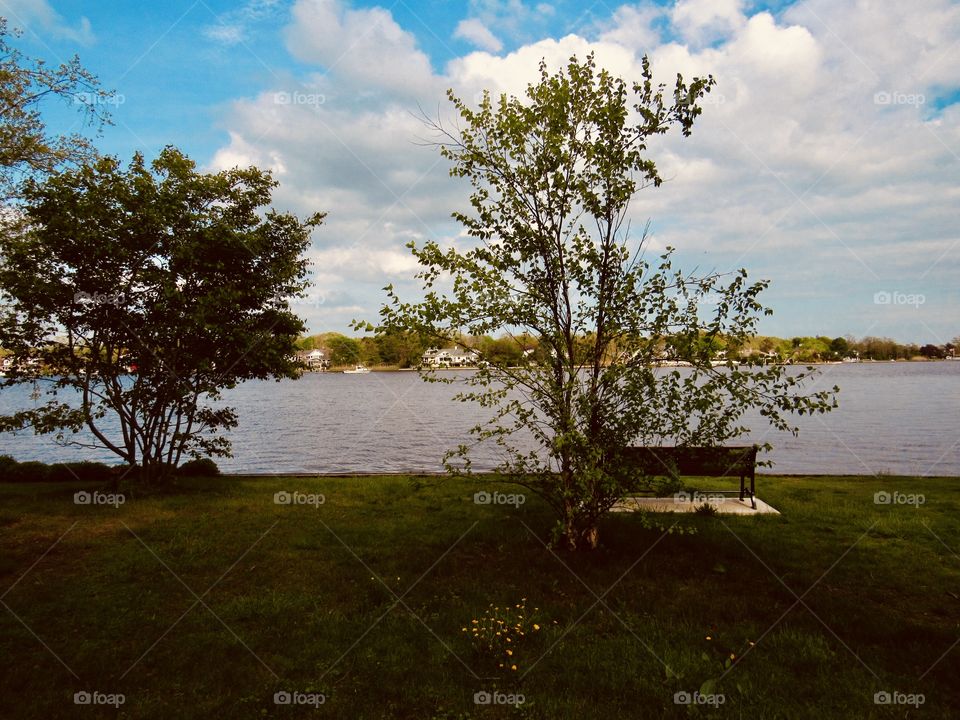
[206, 601]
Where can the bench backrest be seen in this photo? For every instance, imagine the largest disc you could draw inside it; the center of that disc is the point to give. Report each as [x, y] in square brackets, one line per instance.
[704, 461]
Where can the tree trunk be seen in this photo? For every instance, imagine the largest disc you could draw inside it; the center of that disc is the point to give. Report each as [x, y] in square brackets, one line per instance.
[155, 473]
[580, 534]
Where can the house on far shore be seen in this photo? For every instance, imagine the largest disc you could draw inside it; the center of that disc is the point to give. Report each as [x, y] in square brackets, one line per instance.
[315, 360]
[450, 358]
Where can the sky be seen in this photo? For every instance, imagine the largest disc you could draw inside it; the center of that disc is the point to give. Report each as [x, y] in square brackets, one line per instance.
[826, 160]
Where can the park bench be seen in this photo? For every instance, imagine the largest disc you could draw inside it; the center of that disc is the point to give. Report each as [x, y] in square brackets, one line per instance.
[675, 462]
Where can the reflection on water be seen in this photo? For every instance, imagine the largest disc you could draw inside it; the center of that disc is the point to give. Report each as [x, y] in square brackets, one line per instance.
[899, 418]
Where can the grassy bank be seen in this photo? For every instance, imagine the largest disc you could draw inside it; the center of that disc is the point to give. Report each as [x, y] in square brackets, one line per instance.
[207, 601]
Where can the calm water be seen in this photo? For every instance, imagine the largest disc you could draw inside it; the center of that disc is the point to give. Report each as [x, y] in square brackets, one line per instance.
[899, 418]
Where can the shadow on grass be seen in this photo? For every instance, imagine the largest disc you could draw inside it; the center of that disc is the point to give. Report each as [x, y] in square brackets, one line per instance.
[208, 598]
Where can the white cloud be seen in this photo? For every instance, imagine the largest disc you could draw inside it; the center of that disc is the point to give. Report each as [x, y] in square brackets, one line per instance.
[233, 27]
[701, 21]
[514, 19]
[474, 31]
[365, 47]
[514, 71]
[38, 16]
[793, 170]
[632, 26]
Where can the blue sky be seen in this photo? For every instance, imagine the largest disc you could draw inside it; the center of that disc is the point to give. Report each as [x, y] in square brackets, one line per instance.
[827, 160]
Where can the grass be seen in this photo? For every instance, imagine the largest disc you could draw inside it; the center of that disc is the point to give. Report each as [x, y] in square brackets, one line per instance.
[206, 601]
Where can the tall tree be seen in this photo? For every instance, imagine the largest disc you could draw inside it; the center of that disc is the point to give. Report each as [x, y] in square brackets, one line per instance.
[27, 149]
[551, 255]
[173, 274]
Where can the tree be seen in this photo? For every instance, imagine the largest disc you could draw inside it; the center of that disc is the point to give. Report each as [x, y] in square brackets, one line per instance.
[171, 274]
[399, 348]
[840, 348]
[369, 351]
[504, 350]
[550, 254]
[343, 350]
[26, 148]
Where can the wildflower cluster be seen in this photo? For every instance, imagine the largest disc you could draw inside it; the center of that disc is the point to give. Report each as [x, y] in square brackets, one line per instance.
[499, 631]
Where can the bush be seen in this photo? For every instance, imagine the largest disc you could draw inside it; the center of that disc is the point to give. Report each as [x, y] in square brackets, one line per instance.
[84, 471]
[89, 472]
[27, 472]
[203, 467]
[32, 471]
[6, 463]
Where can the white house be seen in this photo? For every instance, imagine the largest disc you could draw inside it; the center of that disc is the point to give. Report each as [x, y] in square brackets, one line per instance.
[450, 357]
[315, 360]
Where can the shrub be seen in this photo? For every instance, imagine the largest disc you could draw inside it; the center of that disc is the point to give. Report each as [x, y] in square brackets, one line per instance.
[202, 467]
[33, 471]
[84, 471]
[27, 472]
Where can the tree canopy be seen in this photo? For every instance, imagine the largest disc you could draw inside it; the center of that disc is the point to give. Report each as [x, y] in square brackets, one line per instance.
[27, 149]
[134, 296]
[550, 256]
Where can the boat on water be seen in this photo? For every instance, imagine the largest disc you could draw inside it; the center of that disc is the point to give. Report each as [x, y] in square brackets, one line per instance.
[358, 370]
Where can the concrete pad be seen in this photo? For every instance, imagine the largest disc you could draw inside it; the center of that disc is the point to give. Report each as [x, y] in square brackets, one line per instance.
[686, 504]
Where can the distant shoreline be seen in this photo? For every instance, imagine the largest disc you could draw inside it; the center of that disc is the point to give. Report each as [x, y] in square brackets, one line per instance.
[394, 368]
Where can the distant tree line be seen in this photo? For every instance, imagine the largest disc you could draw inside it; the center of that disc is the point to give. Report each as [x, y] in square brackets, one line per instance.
[822, 348]
[405, 350]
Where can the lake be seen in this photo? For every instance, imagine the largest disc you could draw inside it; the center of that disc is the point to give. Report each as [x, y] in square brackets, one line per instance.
[896, 418]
